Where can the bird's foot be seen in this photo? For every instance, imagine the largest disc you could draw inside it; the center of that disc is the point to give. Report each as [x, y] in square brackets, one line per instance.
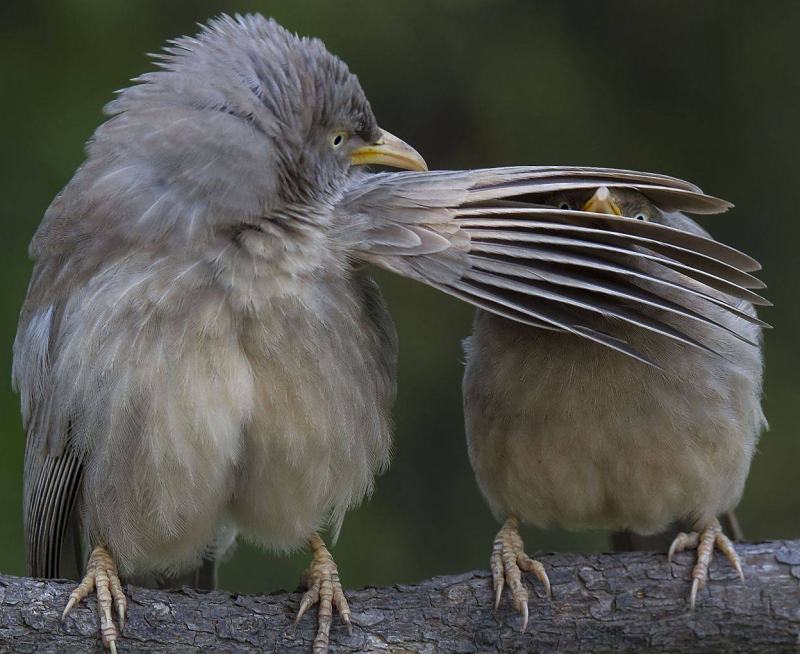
[103, 578]
[322, 580]
[508, 561]
[705, 541]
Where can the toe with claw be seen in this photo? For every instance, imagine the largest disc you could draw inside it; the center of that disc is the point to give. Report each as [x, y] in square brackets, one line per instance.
[322, 581]
[508, 562]
[705, 541]
[102, 577]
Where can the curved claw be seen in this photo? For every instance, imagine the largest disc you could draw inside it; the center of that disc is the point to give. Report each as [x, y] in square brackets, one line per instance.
[508, 561]
[537, 570]
[120, 603]
[310, 597]
[682, 542]
[102, 578]
[739, 571]
[705, 541]
[344, 609]
[725, 546]
[121, 614]
[70, 604]
[496, 565]
[693, 593]
[673, 548]
[498, 594]
[324, 588]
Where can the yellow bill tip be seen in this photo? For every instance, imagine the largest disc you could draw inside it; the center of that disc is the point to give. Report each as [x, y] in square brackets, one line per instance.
[390, 151]
[602, 202]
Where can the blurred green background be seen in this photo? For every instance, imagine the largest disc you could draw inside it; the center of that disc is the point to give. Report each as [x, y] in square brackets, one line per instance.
[708, 91]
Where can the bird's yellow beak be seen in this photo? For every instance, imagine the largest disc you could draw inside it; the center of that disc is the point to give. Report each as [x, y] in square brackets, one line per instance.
[389, 150]
[602, 202]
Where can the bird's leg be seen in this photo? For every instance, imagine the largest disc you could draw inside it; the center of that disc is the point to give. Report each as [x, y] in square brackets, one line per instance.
[705, 541]
[322, 581]
[102, 577]
[508, 561]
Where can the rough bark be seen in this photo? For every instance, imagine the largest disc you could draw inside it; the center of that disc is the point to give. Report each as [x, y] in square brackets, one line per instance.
[610, 602]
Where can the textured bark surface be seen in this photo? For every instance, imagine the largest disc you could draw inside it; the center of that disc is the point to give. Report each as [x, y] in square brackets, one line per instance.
[621, 602]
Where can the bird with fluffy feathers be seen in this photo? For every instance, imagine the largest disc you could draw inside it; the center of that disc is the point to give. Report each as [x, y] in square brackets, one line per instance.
[568, 433]
[201, 354]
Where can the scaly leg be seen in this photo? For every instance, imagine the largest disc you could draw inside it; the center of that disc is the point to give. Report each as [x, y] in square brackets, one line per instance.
[102, 577]
[322, 580]
[705, 541]
[508, 561]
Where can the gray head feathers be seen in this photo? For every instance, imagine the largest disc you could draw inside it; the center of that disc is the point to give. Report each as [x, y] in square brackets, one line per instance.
[234, 127]
[288, 88]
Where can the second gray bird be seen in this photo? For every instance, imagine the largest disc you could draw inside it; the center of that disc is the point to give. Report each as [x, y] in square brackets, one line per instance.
[564, 432]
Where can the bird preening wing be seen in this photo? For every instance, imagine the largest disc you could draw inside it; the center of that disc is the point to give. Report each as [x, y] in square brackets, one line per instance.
[485, 237]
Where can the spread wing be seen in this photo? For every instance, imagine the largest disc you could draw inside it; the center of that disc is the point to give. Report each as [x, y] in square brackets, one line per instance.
[482, 236]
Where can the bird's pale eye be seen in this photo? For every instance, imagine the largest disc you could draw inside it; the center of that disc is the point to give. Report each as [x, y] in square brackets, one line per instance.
[641, 216]
[338, 139]
[564, 206]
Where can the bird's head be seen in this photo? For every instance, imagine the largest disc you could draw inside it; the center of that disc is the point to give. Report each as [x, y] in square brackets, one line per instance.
[621, 202]
[241, 121]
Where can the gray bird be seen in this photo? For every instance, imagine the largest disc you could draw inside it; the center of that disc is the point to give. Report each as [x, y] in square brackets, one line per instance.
[201, 353]
[561, 431]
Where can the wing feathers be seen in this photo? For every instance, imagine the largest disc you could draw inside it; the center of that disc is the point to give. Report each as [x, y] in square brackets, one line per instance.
[599, 280]
[676, 253]
[667, 197]
[653, 233]
[508, 253]
[593, 305]
[482, 239]
[551, 315]
[591, 289]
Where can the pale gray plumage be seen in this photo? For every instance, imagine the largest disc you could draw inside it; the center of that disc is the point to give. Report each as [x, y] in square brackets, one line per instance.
[563, 432]
[200, 354]
[158, 314]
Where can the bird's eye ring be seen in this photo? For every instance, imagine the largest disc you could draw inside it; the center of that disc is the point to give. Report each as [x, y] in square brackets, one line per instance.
[338, 139]
[640, 216]
[564, 206]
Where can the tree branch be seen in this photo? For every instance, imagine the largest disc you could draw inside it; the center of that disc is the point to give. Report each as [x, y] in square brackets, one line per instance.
[629, 601]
